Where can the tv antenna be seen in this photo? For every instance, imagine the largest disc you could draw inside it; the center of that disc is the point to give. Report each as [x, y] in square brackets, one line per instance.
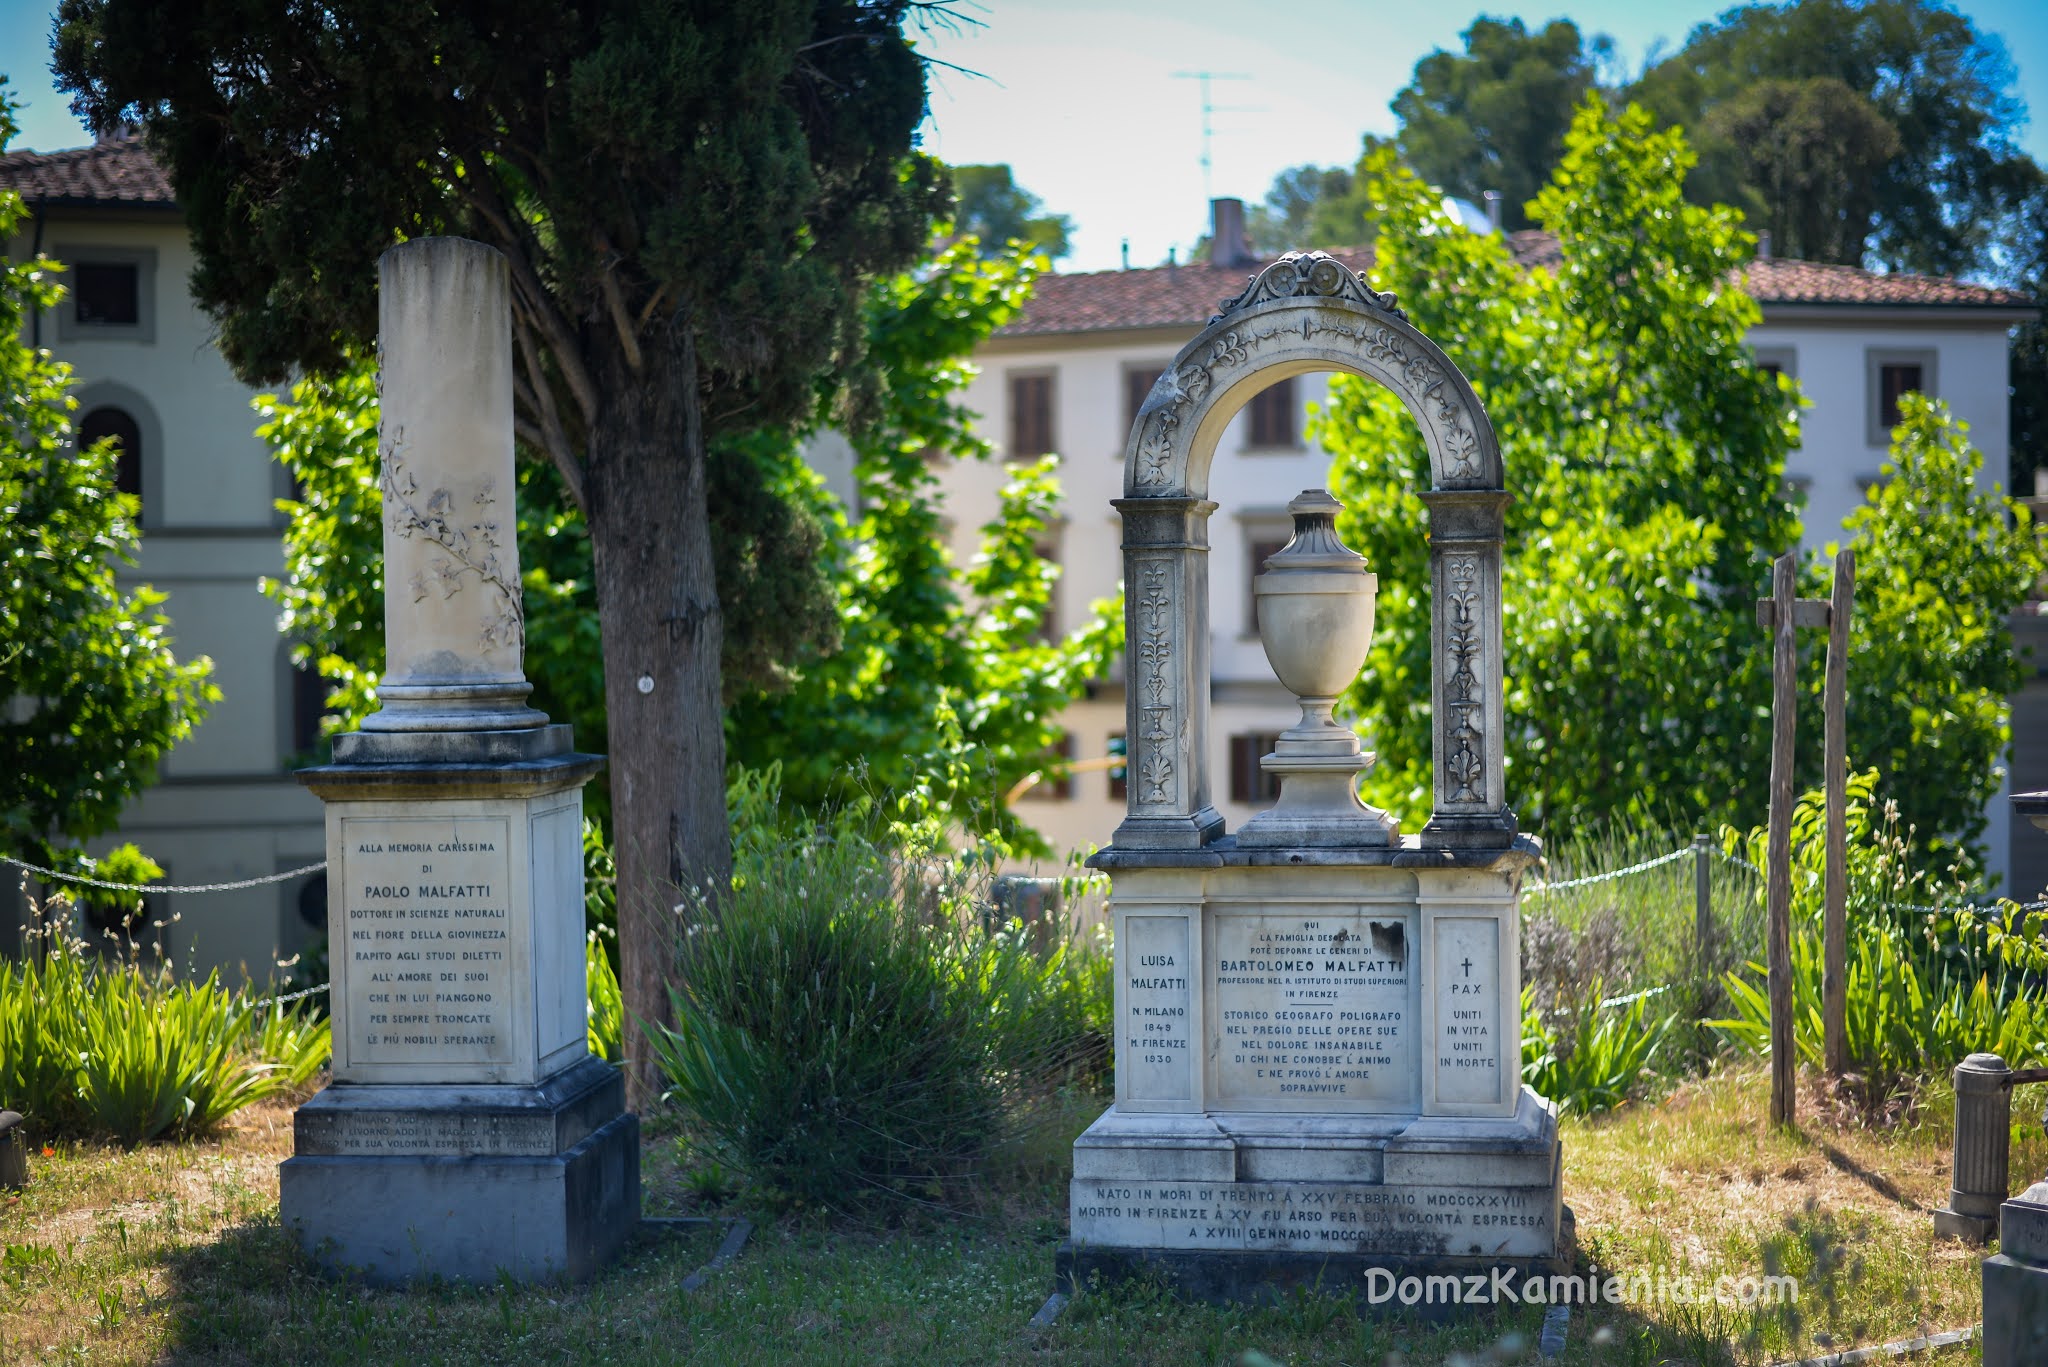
[1209, 110]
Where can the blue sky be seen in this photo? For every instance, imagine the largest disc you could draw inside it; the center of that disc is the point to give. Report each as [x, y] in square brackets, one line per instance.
[1082, 99]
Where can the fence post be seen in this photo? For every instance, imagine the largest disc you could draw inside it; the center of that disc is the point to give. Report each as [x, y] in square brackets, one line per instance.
[1703, 903]
[1778, 867]
[1835, 932]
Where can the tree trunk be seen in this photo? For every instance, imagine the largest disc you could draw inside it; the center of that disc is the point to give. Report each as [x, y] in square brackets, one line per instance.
[657, 603]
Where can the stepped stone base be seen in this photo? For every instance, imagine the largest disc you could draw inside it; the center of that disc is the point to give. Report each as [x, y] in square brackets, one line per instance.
[1240, 1207]
[398, 1184]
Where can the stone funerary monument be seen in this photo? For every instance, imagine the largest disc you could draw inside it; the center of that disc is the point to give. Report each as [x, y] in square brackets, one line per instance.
[1318, 1040]
[467, 1130]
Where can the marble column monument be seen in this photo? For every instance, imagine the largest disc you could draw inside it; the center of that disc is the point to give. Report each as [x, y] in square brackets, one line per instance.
[467, 1131]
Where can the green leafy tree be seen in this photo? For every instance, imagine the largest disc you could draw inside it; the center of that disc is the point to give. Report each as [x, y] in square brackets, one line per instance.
[1941, 201]
[1645, 453]
[1494, 117]
[1940, 568]
[1286, 222]
[1808, 158]
[91, 695]
[995, 210]
[690, 197]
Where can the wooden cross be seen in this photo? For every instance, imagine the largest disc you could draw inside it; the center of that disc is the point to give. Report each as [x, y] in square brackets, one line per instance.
[1782, 614]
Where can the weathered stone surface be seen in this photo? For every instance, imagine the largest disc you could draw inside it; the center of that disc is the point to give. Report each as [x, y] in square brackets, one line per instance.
[396, 1220]
[454, 622]
[502, 1121]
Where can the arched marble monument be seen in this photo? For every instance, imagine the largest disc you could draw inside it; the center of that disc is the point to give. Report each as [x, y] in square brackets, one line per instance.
[1318, 1021]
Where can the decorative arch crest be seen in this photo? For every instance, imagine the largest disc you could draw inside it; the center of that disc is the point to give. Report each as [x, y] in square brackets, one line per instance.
[1306, 312]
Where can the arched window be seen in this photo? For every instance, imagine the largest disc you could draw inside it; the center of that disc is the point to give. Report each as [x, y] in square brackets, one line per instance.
[127, 434]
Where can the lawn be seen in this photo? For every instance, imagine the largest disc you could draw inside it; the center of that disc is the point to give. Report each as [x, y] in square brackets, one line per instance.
[174, 1254]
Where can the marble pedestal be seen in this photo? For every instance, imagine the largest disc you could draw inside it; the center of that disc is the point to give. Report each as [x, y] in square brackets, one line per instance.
[467, 1132]
[2016, 1283]
[1318, 1075]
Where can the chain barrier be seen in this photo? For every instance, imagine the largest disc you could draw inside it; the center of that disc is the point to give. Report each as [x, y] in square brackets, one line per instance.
[162, 887]
[269, 1002]
[1643, 867]
[1633, 996]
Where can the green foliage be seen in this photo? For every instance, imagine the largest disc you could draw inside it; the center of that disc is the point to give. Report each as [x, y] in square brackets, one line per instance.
[104, 1047]
[691, 199]
[997, 212]
[1930, 977]
[605, 1008]
[1939, 203]
[943, 685]
[1645, 452]
[849, 1032]
[96, 695]
[1809, 156]
[1494, 118]
[1598, 1058]
[1288, 221]
[750, 164]
[1940, 569]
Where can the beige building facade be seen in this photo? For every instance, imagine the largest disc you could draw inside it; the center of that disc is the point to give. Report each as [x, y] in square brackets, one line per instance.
[225, 807]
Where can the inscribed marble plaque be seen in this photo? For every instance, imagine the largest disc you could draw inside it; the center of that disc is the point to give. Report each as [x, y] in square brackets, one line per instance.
[1157, 1048]
[1312, 1008]
[426, 912]
[1315, 1217]
[1468, 1025]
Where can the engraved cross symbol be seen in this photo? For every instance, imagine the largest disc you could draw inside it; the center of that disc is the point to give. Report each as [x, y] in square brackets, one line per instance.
[1467, 966]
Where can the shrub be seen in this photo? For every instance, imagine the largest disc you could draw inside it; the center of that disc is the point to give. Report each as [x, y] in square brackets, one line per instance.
[1598, 1057]
[847, 1029]
[113, 1048]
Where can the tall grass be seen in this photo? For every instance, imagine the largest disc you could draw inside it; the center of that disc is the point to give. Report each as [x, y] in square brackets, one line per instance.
[117, 1049]
[848, 1031]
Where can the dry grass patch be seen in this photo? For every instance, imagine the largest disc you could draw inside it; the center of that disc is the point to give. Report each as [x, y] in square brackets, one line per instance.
[174, 1255]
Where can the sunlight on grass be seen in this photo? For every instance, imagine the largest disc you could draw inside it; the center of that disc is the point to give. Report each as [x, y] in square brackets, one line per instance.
[174, 1254]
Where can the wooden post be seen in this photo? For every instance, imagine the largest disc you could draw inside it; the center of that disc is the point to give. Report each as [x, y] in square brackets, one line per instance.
[1778, 862]
[1835, 950]
[1702, 904]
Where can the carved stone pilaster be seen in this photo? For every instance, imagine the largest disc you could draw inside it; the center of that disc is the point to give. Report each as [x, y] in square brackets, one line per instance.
[1166, 567]
[1466, 672]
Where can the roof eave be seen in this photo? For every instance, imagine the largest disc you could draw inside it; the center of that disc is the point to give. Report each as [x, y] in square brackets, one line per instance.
[1870, 311]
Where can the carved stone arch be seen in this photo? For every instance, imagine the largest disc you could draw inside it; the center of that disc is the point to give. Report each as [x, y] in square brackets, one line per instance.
[1306, 312]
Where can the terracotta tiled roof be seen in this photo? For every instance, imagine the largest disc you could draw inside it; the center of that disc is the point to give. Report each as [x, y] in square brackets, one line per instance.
[1188, 296]
[1779, 281]
[117, 171]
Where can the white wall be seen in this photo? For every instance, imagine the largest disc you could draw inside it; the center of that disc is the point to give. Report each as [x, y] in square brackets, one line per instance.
[1835, 454]
[225, 809]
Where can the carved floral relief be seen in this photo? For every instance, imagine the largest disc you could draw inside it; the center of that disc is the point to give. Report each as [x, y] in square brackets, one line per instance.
[468, 541]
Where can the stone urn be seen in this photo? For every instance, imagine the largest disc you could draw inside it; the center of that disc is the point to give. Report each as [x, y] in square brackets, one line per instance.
[1315, 599]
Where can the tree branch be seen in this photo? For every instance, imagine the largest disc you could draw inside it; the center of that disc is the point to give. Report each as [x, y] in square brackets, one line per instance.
[482, 197]
[539, 397]
[615, 305]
